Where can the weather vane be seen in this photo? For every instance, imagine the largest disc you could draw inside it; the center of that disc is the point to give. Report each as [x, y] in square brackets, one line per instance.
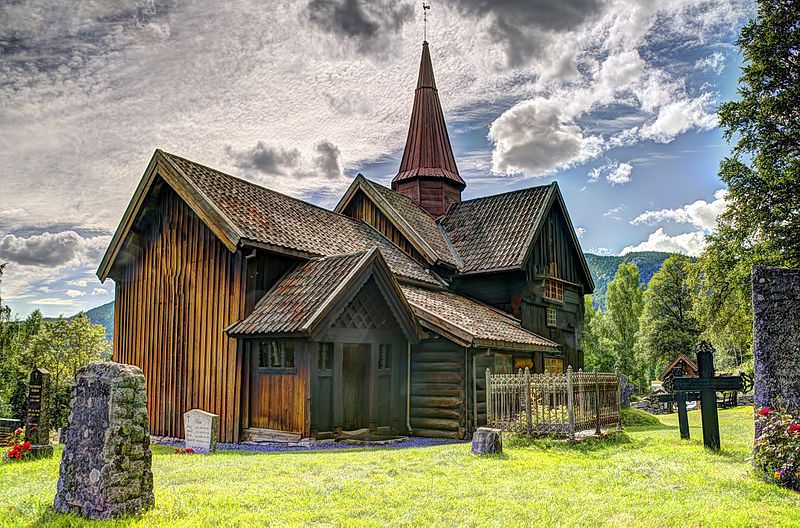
[425, 7]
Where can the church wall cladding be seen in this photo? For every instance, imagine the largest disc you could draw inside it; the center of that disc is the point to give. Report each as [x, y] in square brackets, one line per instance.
[274, 399]
[439, 386]
[521, 293]
[363, 209]
[173, 302]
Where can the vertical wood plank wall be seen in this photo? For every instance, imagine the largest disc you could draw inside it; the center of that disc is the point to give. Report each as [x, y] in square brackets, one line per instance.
[280, 401]
[173, 302]
[363, 209]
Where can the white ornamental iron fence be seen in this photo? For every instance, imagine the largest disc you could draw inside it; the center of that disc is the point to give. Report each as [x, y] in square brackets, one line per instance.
[553, 404]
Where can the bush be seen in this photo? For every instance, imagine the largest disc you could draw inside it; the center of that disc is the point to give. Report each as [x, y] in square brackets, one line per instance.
[777, 449]
[632, 417]
[60, 406]
[19, 401]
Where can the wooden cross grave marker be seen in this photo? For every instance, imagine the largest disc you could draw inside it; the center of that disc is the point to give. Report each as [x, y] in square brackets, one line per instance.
[706, 387]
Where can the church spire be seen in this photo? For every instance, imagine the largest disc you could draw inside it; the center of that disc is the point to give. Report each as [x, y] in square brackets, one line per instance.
[428, 173]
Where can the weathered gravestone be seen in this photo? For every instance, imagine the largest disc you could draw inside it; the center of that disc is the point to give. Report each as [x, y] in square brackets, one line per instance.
[105, 468]
[487, 441]
[200, 429]
[7, 428]
[776, 337]
[37, 422]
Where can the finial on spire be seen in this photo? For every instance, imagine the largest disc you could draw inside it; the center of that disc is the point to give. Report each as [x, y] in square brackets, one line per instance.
[425, 7]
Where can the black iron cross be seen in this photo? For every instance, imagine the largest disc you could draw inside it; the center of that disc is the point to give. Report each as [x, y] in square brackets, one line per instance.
[707, 385]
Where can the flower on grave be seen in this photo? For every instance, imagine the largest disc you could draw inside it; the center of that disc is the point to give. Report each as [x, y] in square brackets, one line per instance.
[778, 474]
[18, 431]
[794, 428]
[26, 446]
[765, 411]
[775, 449]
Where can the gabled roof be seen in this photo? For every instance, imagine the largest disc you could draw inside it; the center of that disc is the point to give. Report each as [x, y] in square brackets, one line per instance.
[307, 298]
[472, 324]
[498, 232]
[428, 152]
[411, 220]
[680, 359]
[244, 214]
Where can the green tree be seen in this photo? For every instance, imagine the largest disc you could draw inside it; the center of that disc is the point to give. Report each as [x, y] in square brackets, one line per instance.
[762, 220]
[595, 355]
[621, 320]
[763, 170]
[668, 326]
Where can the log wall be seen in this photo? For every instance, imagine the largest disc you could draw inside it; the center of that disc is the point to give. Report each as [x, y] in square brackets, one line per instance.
[438, 389]
[175, 293]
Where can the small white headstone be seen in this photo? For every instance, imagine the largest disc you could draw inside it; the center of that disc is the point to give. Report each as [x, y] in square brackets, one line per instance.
[201, 431]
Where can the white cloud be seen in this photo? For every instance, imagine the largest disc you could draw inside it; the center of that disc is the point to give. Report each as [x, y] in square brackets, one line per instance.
[99, 291]
[532, 137]
[74, 293]
[615, 212]
[713, 63]
[687, 243]
[681, 116]
[79, 282]
[621, 174]
[579, 232]
[700, 213]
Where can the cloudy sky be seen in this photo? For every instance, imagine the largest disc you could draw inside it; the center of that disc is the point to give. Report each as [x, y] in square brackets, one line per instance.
[614, 99]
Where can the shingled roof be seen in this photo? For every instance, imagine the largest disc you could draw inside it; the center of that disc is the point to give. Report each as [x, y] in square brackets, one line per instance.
[413, 221]
[495, 232]
[428, 152]
[243, 213]
[306, 296]
[470, 323]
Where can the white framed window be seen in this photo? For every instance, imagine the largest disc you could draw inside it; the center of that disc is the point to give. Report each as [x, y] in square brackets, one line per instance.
[551, 317]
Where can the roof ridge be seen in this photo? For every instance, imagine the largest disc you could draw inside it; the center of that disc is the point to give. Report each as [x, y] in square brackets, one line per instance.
[252, 184]
[515, 191]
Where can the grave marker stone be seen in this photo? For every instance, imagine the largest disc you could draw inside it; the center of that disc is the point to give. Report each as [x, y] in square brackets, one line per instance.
[200, 429]
[106, 464]
[776, 337]
[487, 441]
[37, 421]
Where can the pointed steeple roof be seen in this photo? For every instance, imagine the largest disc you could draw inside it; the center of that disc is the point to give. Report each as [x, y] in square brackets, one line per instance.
[428, 152]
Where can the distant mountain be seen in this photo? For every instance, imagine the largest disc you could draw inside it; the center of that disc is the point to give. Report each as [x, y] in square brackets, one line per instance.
[603, 269]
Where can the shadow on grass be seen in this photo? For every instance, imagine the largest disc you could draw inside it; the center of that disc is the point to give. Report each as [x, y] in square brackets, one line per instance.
[586, 445]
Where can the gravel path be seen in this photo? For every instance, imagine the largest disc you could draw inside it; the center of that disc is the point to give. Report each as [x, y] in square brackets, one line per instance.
[277, 447]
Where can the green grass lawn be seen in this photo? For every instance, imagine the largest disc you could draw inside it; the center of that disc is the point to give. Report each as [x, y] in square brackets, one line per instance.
[646, 476]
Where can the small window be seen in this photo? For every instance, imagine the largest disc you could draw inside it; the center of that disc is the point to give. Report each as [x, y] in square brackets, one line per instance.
[385, 356]
[554, 365]
[554, 290]
[325, 356]
[503, 364]
[277, 356]
[523, 362]
[551, 317]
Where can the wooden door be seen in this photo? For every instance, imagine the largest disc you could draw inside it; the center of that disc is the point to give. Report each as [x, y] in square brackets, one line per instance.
[355, 386]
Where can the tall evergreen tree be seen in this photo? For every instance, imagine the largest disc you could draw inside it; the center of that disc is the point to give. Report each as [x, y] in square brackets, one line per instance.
[667, 326]
[621, 321]
[763, 170]
[762, 220]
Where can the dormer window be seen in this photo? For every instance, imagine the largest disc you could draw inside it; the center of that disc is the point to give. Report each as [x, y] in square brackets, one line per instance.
[554, 290]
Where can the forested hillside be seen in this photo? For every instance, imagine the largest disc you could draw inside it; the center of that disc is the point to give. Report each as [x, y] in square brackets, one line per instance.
[603, 269]
[103, 315]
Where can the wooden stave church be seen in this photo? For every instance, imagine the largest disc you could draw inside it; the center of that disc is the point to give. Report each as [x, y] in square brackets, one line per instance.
[288, 320]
